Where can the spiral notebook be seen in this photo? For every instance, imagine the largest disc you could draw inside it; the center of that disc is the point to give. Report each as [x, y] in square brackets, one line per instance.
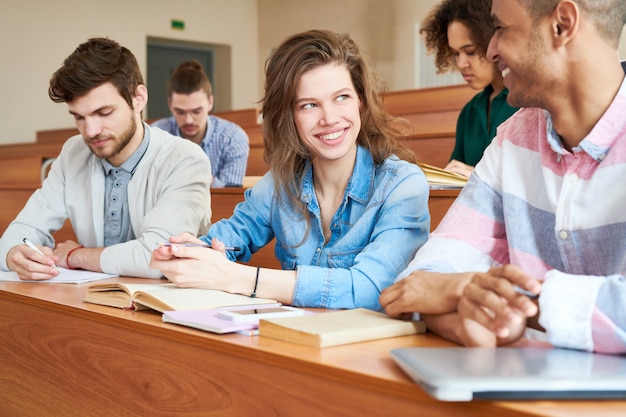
[463, 374]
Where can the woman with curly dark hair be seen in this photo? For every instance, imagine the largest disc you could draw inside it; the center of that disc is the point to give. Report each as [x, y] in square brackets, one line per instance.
[343, 199]
[458, 33]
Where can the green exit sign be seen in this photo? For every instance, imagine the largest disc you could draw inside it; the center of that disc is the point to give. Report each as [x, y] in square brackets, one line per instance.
[178, 24]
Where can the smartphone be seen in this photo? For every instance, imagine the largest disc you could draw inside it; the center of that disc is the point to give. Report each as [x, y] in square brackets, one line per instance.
[253, 315]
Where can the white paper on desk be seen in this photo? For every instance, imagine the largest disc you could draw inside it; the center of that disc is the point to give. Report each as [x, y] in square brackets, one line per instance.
[67, 276]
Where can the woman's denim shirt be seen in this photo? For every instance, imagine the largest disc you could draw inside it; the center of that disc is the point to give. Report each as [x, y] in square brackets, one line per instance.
[376, 231]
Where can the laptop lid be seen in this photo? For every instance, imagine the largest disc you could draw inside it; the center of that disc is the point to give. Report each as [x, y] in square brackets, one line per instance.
[463, 374]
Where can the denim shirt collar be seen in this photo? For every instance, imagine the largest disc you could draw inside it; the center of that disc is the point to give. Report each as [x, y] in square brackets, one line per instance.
[359, 186]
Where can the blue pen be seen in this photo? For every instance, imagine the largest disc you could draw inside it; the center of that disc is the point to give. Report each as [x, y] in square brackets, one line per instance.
[526, 293]
[200, 245]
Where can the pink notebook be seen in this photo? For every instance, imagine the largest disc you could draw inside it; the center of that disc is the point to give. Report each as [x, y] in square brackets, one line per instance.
[208, 320]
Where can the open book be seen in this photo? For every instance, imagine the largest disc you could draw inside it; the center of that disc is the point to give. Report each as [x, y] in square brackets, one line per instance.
[164, 297]
[338, 327]
[440, 178]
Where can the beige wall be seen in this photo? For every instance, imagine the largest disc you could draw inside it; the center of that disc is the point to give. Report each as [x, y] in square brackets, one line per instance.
[36, 35]
[384, 29]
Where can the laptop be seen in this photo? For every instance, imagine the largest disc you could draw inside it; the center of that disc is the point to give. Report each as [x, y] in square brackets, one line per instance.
[464, 374]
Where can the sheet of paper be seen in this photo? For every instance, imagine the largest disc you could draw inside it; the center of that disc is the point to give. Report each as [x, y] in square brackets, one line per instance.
[67, 276]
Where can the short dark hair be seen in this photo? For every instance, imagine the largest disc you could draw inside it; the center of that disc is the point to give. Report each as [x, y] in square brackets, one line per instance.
[608, 16]
[94, 63]
[188, 78]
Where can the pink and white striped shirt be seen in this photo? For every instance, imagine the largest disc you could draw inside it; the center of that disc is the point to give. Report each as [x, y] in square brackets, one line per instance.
[559, 215]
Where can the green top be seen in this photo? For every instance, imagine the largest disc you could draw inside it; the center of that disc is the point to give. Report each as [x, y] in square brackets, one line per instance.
[473, 132]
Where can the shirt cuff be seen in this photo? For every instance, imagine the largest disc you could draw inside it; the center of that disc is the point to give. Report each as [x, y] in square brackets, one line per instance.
[566, 305]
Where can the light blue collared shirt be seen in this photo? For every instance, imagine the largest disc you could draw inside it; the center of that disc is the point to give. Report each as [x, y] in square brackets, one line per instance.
[225, 143]
[117, 227]
[376, 231]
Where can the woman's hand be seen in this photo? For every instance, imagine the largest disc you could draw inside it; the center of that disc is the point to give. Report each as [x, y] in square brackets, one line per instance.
[195, 266]
[459, 167]
[164, 253]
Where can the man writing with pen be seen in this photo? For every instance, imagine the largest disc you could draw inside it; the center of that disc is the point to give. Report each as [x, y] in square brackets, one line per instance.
[124, 186]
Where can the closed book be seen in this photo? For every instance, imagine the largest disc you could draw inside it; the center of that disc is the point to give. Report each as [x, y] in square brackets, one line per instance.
[338, 327]
[164, 297]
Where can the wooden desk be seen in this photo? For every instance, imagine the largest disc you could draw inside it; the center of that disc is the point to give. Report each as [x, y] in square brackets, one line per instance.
[62, 357]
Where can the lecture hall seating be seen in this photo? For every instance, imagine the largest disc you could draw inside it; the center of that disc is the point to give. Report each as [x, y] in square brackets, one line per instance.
[432, 112]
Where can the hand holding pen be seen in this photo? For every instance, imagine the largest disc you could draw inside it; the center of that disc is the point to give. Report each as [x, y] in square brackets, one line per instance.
[188, 240]
[198, 245]
[32, 246]
[31, 263]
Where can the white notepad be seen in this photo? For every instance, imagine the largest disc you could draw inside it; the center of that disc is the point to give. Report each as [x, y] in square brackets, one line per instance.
[463, 374]
[67, 276]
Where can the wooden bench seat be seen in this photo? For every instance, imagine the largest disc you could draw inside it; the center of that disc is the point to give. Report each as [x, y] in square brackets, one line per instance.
[432, 112]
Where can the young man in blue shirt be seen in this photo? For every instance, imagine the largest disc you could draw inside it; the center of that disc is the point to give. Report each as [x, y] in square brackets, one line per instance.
[190, 99]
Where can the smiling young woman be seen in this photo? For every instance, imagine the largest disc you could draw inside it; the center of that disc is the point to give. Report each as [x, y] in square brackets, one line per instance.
[340, 194]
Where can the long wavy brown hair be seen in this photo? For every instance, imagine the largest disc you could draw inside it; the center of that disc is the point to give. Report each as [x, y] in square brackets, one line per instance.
[284, 152]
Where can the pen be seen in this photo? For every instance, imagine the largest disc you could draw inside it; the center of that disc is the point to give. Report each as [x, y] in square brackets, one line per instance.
[526, 293]
[30, 245]
[200, 245]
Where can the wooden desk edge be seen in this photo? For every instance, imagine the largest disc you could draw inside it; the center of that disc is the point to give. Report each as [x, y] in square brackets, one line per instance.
[397, 385]
[146, 322]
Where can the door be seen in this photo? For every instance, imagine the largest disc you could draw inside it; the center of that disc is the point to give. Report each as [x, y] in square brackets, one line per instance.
[163, 57]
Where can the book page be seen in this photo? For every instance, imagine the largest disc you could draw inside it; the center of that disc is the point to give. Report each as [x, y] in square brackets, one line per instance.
[67, 276]
[126, 287]
[169, 297]
[442, 178]
[116, 294]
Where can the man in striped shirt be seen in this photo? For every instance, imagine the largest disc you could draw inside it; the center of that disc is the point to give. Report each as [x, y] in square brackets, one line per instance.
[544, 209]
